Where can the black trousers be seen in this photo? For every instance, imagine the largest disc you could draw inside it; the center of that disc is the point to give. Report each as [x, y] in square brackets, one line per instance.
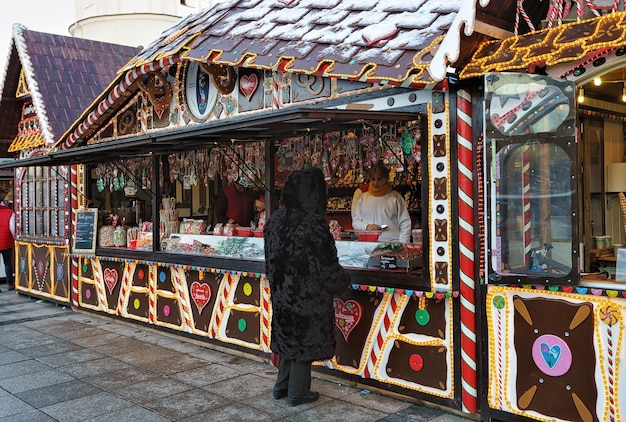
[294, 376]
[7, 257]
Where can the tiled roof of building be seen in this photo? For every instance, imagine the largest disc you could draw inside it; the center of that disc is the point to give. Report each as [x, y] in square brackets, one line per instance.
[64, 75]
[375, 40]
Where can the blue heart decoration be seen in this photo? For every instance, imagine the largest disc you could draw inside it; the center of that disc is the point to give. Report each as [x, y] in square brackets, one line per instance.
[550, 355]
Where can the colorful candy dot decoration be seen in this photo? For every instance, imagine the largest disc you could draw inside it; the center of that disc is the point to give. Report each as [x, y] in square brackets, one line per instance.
[166, 310]
[247, 289]
[416, 362]
[136, 304]
[609, 314]
[422, 316]
[498, 302]
[242, 325]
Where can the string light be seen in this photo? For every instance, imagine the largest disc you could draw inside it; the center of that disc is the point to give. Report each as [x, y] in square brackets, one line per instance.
[597, 81]
[581, 95]
[624, 93]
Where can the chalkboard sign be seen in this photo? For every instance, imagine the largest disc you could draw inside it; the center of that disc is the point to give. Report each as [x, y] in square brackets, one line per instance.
[86, 227]
[388, 263]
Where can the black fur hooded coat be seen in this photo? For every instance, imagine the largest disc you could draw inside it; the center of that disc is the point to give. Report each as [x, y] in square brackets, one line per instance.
[303, 271]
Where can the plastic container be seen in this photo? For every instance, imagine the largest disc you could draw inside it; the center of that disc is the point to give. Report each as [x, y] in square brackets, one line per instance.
[603, 242]
[367, 235]
[244, 231]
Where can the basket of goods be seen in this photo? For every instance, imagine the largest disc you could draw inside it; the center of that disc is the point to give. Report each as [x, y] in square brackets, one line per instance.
[244, 231]
[367, 235]
[190, 226]
[230, 229]
[335, 229]
[119, 236]
[105, 236]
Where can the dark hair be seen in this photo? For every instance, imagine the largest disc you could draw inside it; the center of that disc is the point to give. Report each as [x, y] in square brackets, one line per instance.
[379, 168]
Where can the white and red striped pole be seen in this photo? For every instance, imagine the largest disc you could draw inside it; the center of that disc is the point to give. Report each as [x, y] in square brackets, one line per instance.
[467, 252]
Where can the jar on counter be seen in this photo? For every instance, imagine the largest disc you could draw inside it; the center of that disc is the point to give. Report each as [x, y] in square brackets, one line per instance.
[119, 236]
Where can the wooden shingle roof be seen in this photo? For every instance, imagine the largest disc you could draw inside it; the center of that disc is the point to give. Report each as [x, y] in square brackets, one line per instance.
[64, 75]
[369, 40]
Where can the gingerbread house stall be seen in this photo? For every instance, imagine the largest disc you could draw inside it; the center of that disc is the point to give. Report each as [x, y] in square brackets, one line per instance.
[49, 81]
[481, 125]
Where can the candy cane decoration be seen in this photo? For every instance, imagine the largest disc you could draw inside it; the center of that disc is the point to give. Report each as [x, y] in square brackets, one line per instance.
[526, 226]
[265, 314]
[183, 298]
[99, 283]
[74, 261]
[226, 286]
[610, 316]
[276, 84]
[383, 332]
[152, 294]
[520, 11]
[127, 281]
[467, 252]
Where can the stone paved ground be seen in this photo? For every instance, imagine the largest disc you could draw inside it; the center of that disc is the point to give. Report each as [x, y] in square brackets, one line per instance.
[60, 365]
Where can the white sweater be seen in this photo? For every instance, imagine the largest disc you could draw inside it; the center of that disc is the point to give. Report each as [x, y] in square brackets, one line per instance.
[388, 209]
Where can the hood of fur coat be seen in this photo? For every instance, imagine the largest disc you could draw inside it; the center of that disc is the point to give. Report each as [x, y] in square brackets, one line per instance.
[305, 190]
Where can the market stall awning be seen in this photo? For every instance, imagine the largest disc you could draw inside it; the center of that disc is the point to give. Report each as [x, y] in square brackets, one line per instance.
[548, 47]
[386, 42]
[286, 122]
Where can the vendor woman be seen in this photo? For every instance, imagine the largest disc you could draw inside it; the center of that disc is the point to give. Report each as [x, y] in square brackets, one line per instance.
[381, 206]
[235, 204]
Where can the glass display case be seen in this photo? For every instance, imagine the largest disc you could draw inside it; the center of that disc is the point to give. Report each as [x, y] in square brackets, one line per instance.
[351, 254]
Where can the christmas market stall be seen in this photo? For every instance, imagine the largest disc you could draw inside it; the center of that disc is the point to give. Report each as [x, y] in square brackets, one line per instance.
[50, 79]
[501, 306]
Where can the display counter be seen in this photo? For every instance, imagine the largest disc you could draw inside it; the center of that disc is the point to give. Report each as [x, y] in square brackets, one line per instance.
[370, 264]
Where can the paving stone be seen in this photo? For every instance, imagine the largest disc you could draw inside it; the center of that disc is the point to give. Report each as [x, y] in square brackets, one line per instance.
[131, 414]
[9, 356]
[208, 374]
[148, 391]
[94, 367]
[11, 370]
[11, 405]
[57, 393]
[28, 416]
[118, 379]
[242, 387]
[187, 403]
[34, 380]
[335, 410]
[234, 412]
[86, 408]
[68, 358]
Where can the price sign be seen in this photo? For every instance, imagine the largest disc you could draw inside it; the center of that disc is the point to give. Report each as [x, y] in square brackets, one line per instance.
[388, 263]
[86, 226]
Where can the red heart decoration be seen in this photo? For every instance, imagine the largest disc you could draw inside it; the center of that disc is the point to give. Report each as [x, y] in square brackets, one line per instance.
[248, 85]
[110, 279]
[200, 293]
[347, 316]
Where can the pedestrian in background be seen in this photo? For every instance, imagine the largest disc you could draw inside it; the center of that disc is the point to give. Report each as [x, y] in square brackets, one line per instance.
[304, 274]
[7, 237]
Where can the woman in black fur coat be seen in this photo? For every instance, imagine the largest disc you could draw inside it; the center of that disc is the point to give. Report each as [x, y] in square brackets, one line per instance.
[304, 274]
